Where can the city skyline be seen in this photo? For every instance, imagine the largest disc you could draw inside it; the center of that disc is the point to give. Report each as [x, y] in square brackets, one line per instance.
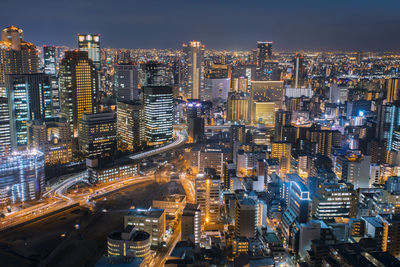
[307, 25]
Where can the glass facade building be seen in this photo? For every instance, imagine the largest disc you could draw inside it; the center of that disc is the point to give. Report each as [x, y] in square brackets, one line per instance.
[21, 177]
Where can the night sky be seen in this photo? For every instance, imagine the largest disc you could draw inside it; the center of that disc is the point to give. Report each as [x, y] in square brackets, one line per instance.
[369, 25]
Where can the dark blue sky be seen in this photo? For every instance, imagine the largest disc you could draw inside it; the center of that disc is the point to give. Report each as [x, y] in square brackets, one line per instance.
[372, 25]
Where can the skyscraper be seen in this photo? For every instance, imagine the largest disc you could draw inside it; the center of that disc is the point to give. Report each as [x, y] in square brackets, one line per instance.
[5, 131]
[158, 106]
[245, 217]
[264, 52]
[98, 135]
[91, 44]
[194, 80]
[16, 55]
[29, 98]
[155, 74]
[49, 60]
[207, 196]
[299, 71]
[127, 82]
[392, 89]
[78, 87]
[388, 121]
[130, 125]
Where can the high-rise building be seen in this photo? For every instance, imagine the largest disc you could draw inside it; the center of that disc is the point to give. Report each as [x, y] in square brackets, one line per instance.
[210, 156]
[325, 140]
[130, 125]
[299, 71]
[127, 82]
[52, 136]
[238, 107]
[49, 60]
[264, 112]
[158, 107]
[338, 94]
[98, 135]
[5, 131]
[392, 90]
[155, 74]
[246, 217]
[90, 43]
[282, 118]
[21, 177]
[29, 98]
[78, 88]
[282, 151]
[299, 201]
[191, 223]
[388, 121]
[16, 55]
[264, 52]
[207, 197]
[194, 57]
[353, 169]
[195, 121]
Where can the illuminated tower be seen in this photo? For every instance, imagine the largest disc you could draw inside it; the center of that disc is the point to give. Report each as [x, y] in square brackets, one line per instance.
[5, 132]
[78, 87]
[194, 56]
[264, 52]
[392, 90]
[282, 151]
[49, 60]
[91, 44]
[16, 55]
[29, 98]
[158, 110]
[299, 71]
[130, 125]
[207, 196]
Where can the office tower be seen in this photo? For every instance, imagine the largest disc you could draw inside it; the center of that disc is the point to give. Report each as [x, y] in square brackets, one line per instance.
[21, 177]
[194, 72]
[130, 125]
[111, 170]
[282, 118]
[282, 151]
[158, 112]
[5, 131]
[354, 169]
[98, 135]
[150, 220]
[264, 52]
[334, 200]
[29, 98]
[392, 87]
[338, 94]
[156, 74]
[127, 82]
[240, 84]
[238, 133]
[299, 71]
[299, 201]
[52, 136]
[191, 223]
[325, 140]
[16, 55]
[209, 156]
[238, 107]
[90, 43]
[246, 214]
[216, 89]
[388, 120]
[268, 91]
[195, 121]
[78, 88]
[207, 197]
[229, 173]
[49, 60]
[128, 244]
[264, 112]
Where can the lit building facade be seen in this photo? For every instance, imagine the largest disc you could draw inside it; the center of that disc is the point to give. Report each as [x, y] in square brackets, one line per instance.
[21, 177]
[49, 60]
[264, 112]
[158, 106]
[98, 135]
[90, 43]
[52, 136]
[128, 243]
[130, 125]
[207, 197]
[78, 88]
[29, 98]
[5, 131]
[127, 82]
[194, 72]
[191, 223]
[282, 151]
[238, 107]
